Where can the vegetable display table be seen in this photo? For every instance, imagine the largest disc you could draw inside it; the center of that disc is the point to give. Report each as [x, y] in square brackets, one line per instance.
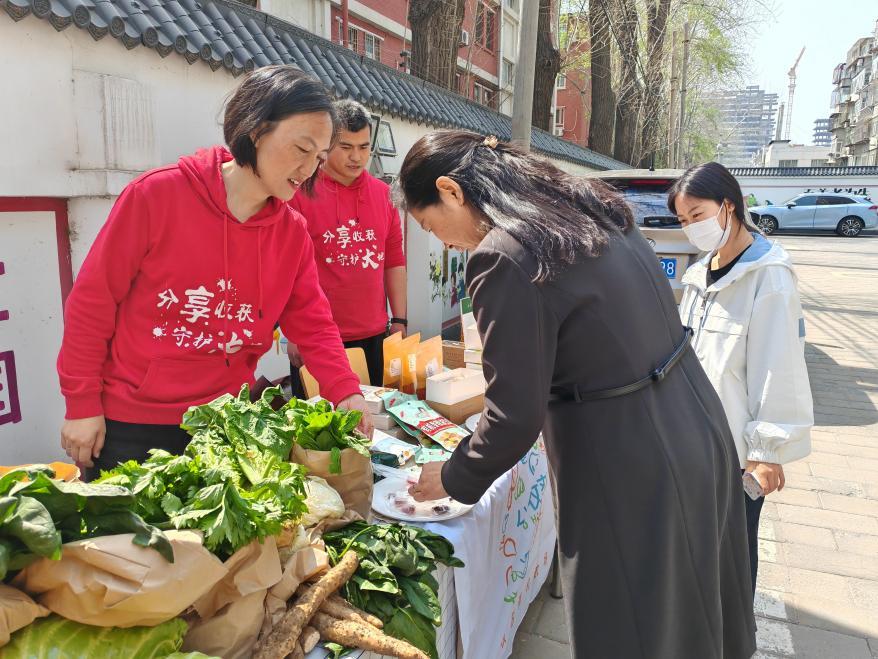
[507, 542]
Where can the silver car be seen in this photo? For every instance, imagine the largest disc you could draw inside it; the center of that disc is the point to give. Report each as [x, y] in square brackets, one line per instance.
[845, 214]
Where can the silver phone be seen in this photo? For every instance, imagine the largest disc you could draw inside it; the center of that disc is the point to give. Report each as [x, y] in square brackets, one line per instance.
[752, 487]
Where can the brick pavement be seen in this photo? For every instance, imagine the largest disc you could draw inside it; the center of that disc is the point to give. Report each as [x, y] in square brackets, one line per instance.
[818, 573]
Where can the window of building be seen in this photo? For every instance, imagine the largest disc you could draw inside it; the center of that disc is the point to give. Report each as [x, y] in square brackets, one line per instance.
[562, 81]
[483, 95]
[373, 47]
[353, 39]
[512, 4]
[508, 74]
[486, 26]
[821, 162]
[560, 115]
[788, 163]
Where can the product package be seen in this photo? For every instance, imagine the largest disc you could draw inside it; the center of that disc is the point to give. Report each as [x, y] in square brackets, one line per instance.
[428, 363]
[418, 419]
[402, 450]
[396, 359]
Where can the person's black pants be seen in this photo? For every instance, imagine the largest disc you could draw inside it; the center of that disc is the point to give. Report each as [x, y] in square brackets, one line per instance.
[374, 349]
[754, 509]
[132, 441]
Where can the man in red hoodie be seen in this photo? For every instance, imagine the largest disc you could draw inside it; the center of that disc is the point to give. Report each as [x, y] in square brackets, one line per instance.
[180, 293]
[357, 243]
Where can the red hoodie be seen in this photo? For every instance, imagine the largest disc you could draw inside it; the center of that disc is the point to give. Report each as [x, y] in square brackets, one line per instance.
[177, 300]
[357, 235]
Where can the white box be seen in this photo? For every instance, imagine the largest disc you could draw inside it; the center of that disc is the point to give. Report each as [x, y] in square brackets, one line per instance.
[455, 386]
[373, 399]
[383, 421]
[472, 356]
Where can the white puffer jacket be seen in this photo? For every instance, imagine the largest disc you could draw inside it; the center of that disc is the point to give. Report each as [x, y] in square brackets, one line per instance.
[750, 338]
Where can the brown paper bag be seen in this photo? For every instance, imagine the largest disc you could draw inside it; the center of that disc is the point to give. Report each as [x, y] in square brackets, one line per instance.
[17, 610]
[354, 483]
[230, 616]
[111, 582]
[300, 567]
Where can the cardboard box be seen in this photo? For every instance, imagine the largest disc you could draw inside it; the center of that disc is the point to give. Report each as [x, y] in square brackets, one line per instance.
[452, 354]
[459, 412]
[455, 386]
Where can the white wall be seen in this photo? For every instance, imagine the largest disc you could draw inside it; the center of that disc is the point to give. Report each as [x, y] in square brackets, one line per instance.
[777, 189]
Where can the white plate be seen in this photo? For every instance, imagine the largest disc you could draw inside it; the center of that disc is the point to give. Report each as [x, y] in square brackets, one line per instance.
[473, 422]
[385, 508]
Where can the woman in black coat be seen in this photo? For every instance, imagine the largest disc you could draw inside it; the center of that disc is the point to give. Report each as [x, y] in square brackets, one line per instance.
[582, 340]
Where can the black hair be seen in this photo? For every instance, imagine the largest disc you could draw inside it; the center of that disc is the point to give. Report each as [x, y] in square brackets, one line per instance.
[351, 116]
[557, 217]
[714, 182]
[265, 97]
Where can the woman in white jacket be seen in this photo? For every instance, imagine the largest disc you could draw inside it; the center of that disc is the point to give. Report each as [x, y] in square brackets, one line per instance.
[742, 302]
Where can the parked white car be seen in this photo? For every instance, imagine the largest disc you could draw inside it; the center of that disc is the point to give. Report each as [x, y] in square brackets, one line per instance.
[847, 215]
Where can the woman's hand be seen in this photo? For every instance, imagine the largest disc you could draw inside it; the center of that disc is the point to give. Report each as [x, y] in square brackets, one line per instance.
[294, 355]
[358, 403]
[429, 487]
[83, 439]
[769, 475]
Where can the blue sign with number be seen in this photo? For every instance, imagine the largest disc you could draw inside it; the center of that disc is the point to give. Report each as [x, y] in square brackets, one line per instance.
[670, 267]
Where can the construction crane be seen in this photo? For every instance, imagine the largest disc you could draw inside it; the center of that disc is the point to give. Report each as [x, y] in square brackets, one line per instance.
[789, 109]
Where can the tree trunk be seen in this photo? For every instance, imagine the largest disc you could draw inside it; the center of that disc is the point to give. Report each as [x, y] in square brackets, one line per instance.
[435, 39]
[548, 65]
[628, 104]
[653, 91]
[603, 100]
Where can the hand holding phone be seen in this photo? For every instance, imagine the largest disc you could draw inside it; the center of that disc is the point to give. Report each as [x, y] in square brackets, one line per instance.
[751, 486]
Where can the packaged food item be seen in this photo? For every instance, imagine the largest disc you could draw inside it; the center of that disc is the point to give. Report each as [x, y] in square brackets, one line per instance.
[423, 455]
[428, 363]
[409, 354]
[383, 421]
[419, 418]
[396, 357]
[373, 399]
[402, 450]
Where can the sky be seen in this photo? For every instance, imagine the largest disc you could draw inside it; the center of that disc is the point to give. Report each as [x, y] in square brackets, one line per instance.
[827, 29]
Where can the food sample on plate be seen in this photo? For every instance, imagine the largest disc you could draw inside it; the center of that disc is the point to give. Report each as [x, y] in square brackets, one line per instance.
[403, 502]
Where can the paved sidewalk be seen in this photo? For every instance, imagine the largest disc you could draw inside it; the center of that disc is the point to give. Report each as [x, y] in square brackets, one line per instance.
[818, 572]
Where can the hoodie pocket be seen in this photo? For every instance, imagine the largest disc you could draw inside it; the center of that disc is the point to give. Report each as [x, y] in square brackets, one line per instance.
[721, 344]
[183, 380]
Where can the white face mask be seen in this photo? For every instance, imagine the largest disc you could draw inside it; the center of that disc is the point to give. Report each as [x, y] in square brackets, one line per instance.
[707, 235]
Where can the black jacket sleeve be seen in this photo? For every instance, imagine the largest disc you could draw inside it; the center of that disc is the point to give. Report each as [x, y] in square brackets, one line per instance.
[519, 335]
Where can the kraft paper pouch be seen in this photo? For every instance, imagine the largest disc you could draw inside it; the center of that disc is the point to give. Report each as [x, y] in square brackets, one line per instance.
[428, 362]
[17, 610]
[354, 483]
[396, 360]
[111, 582]
[230, 616]
[389, 349]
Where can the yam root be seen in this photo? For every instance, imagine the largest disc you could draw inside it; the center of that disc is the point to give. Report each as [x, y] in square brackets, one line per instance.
[338, 607]
[310, 639]
[298, 652]
[359, 635]
[282, 639]
[367, 617]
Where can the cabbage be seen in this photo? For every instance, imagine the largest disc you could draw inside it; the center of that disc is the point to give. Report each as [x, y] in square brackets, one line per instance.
[60, 638]
[322, 500]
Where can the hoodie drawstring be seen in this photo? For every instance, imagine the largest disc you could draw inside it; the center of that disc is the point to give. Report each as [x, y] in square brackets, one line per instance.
[259, 267]
[226, 221]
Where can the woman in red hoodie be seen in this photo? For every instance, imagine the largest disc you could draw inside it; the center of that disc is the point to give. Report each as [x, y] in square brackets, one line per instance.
[181, 291]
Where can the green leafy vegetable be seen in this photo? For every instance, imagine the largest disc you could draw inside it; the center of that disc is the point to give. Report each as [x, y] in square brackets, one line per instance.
[64, 639]
[234, 482]
[39, 513]
[318, 427]
[394, 580]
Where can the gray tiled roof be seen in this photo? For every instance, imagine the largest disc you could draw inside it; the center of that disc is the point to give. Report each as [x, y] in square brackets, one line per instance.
[857, 170]
[228, 35]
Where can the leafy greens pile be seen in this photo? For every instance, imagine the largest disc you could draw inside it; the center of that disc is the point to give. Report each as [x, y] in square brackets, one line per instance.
[394, 580]
[39, 513]
[319, 428]
[234, 481]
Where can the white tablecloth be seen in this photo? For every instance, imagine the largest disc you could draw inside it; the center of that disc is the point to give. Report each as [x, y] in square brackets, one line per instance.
[507, 542]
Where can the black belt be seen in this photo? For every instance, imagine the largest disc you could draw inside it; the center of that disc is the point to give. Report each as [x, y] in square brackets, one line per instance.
[575, 393]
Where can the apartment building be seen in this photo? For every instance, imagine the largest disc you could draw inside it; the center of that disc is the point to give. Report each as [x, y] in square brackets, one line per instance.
[854, 105]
